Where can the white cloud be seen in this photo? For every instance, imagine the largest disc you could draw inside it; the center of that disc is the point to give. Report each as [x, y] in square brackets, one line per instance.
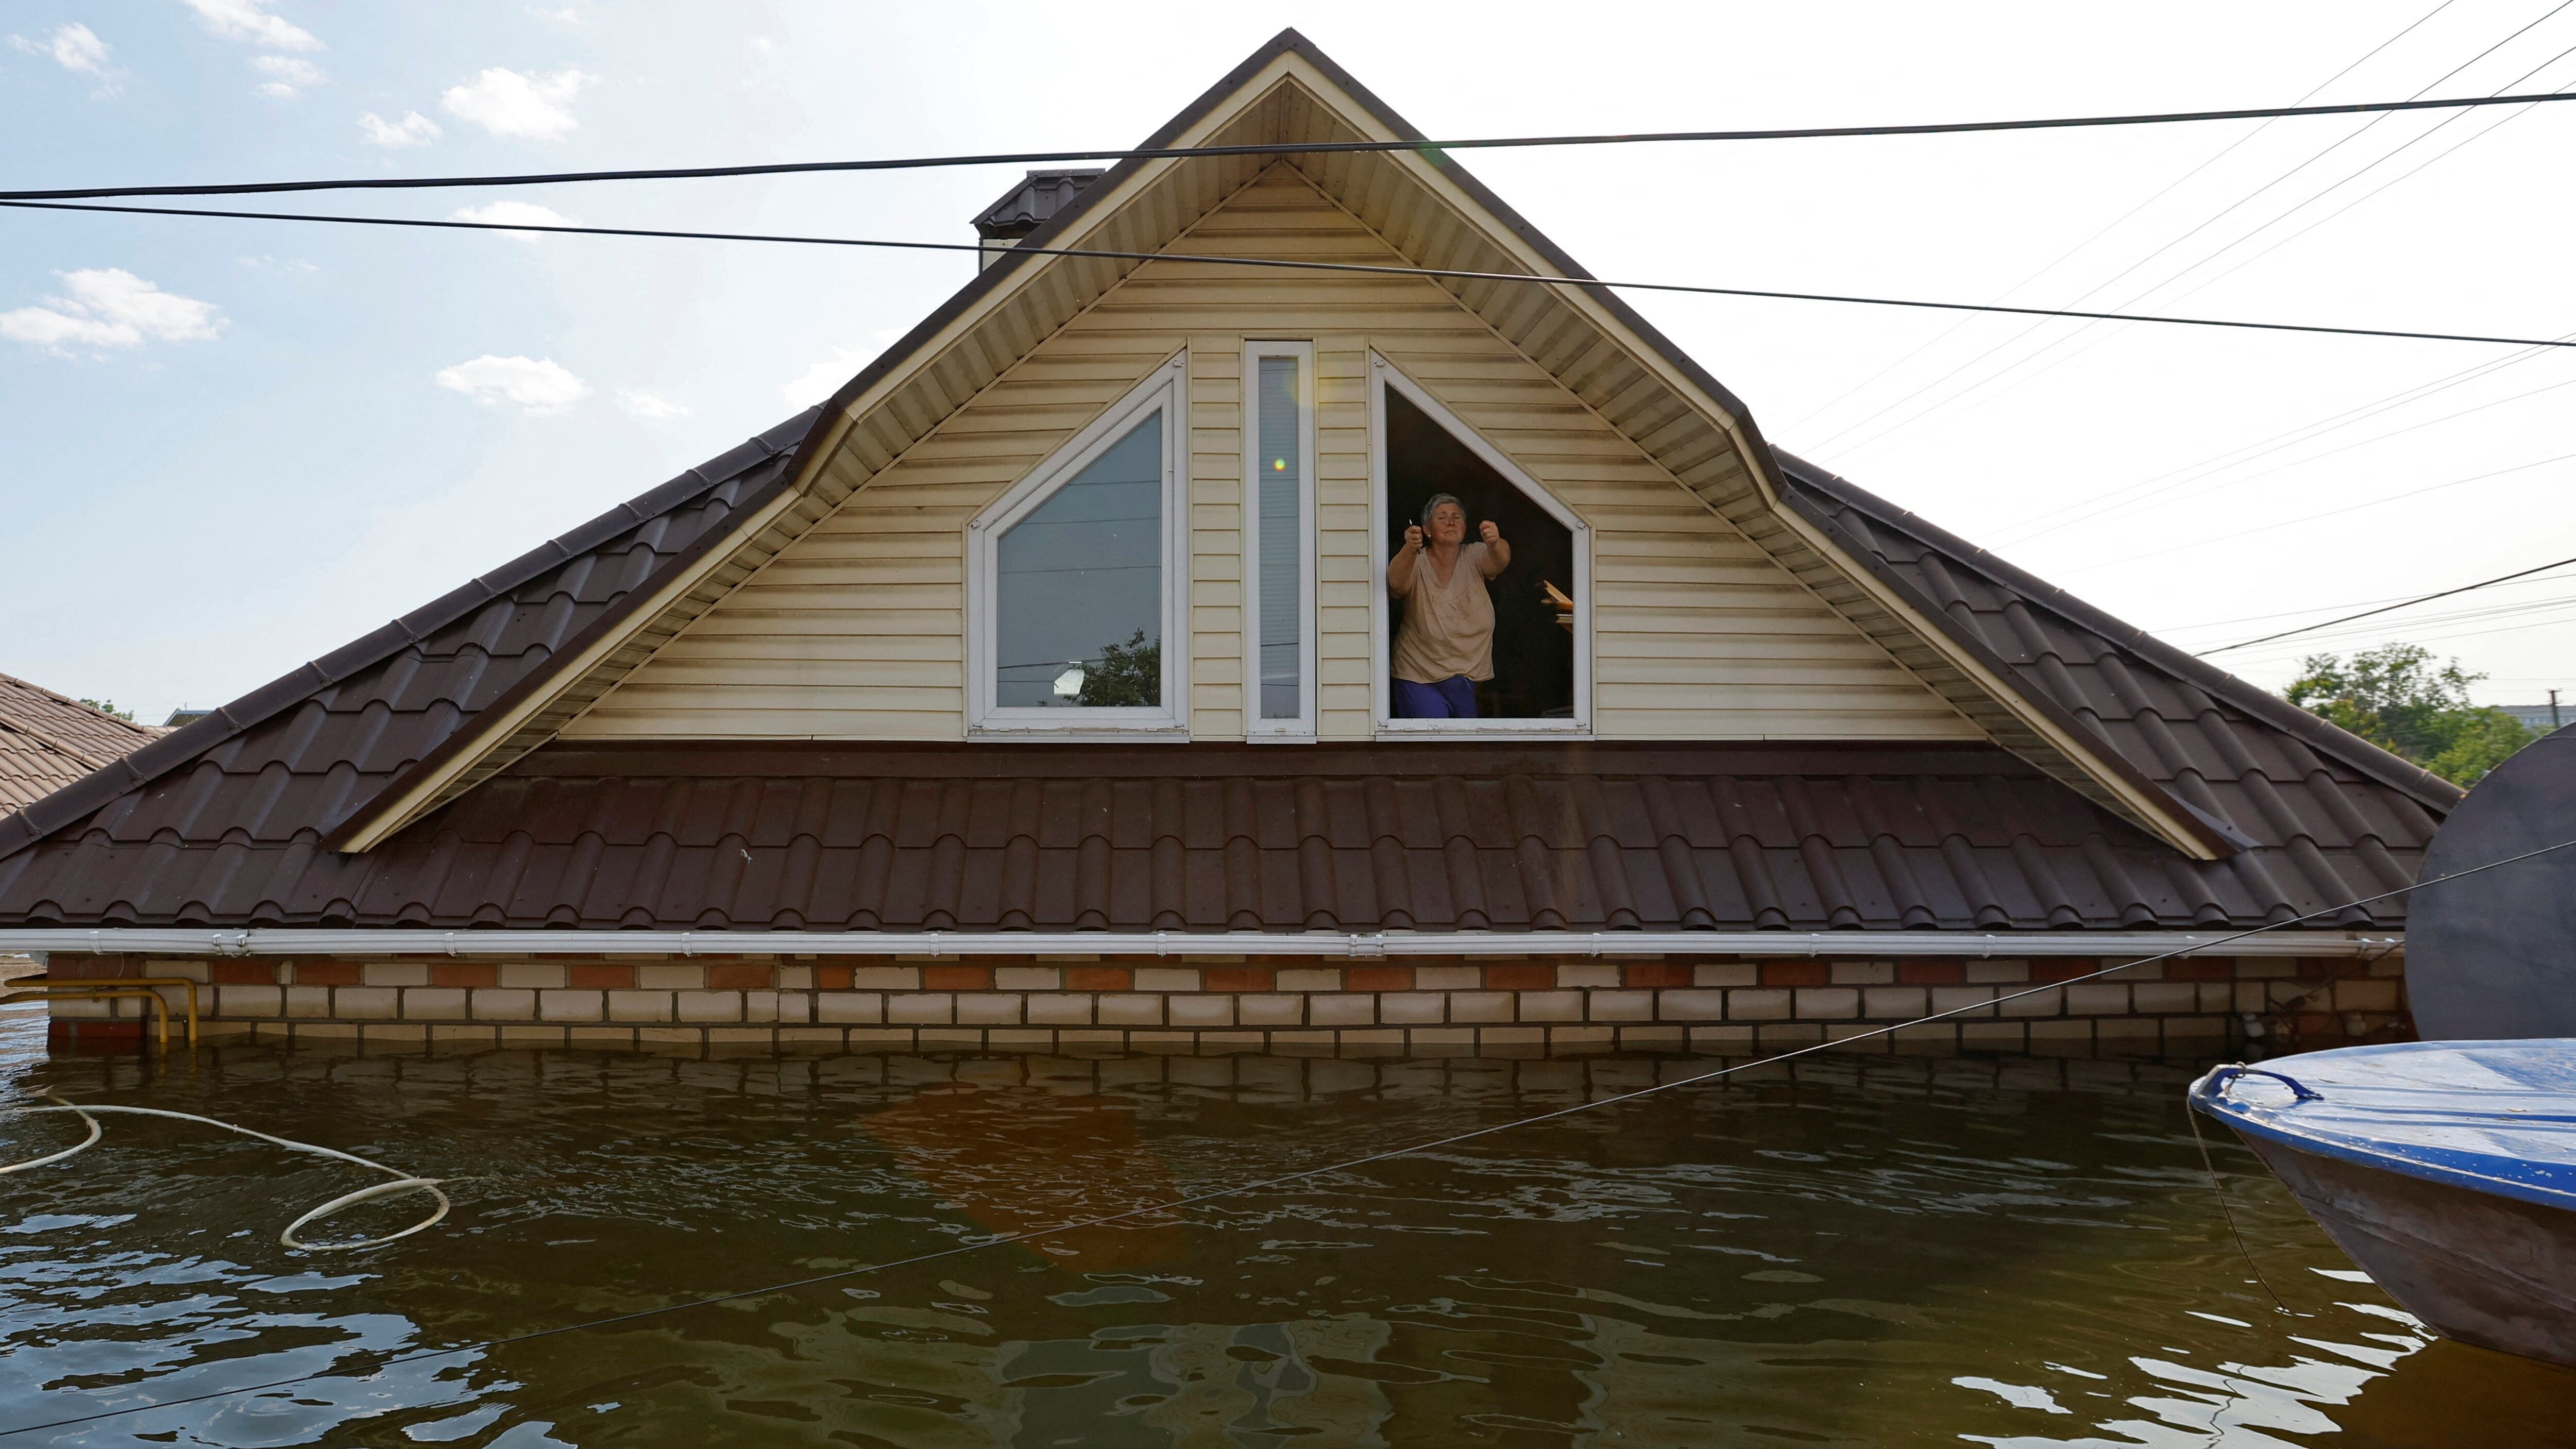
[652, 407]
[414, 129]
[822, 379]
[539, 386]
[528, 107]
[825, 377]
[108, 307]
[249, 20]
[76, 48]
[514, 213]
[287, 76]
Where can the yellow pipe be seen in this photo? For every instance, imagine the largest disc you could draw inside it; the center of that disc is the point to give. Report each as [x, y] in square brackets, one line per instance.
[100, 991]
[154, 981]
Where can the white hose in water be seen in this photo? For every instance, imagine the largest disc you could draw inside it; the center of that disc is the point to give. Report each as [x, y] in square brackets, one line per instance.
[402, 1181]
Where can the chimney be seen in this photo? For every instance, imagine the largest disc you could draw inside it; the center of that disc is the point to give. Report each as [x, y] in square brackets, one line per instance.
[1024, 208]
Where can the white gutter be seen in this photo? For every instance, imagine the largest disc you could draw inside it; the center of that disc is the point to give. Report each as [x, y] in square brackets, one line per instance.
[290, 941]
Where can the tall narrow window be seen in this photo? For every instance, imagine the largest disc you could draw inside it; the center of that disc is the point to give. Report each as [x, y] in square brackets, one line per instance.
[1279, 533]
[1077, 577]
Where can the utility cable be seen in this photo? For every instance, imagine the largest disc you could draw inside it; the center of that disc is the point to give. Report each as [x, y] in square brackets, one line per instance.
[2211, 540]
[1271, 148]
[2386, 608]
[2245, 453]
[1301, 1175]
[2097, 339]
[2116, 222]
[1941, 403]
[2280, 614]
[2501, 121]
[2413, 635]
[1285, 264]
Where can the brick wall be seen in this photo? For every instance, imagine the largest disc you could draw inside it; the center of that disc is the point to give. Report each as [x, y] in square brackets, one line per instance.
[1214, 1004]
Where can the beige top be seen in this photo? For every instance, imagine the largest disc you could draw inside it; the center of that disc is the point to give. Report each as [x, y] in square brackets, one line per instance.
[1448, 628]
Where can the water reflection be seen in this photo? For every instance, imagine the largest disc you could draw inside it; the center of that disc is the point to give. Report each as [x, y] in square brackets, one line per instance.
[1858, 1252]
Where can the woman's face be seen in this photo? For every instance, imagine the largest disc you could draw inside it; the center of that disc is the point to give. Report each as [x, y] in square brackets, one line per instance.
[1448, 524]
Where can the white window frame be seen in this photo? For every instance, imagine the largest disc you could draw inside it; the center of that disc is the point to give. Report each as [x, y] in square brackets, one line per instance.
[1384, 376]
[1165, 389]
[1300, 730]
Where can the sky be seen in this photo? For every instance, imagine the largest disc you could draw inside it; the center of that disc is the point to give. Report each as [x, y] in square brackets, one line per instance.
[227, 447]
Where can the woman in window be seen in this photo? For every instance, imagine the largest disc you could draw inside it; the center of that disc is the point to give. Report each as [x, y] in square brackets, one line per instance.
[1446, 643]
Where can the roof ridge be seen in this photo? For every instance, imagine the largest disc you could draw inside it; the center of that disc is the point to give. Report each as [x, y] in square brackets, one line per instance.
[111, 779]
[2309, 729]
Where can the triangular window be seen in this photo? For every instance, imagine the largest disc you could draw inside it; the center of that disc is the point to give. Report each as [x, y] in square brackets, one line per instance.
[1484, 618]
[1078, 581]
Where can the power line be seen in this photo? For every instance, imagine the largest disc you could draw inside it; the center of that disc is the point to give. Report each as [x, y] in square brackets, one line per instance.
[2114, 224]
[2186, 489]
[2387, 608]
[2412, 635]
[2392, 154]
[1300, 1175]
[1270, 148]
[2142, 294]
[2503, 120]
[2313, 517]
[2237, 457]
[1288, 264]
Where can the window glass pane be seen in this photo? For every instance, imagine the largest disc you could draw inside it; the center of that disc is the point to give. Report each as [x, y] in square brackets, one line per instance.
[1282, 555]
[1079, 586]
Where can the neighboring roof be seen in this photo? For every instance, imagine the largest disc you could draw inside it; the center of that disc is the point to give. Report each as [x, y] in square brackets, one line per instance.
[1463, 835]
[47, 741]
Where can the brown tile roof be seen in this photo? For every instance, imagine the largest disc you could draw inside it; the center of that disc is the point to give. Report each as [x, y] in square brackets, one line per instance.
[314, 745]
[1432, 836]
[48, 741]
[2258, 768]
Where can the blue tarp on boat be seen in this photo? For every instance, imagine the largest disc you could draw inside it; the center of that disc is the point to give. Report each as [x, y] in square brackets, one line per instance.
[2495, 1117]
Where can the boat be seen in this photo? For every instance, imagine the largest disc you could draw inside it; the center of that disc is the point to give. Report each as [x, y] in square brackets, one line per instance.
[2447, 1169]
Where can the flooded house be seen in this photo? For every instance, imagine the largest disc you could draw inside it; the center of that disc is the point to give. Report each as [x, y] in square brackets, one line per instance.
[1046, 688]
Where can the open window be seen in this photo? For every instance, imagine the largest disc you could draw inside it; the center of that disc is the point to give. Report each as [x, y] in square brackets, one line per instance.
[1541, 653]
[1077, 582]
[1279, 540]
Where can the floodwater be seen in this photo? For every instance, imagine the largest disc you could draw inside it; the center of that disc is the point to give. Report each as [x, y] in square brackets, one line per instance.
[1864, 1251]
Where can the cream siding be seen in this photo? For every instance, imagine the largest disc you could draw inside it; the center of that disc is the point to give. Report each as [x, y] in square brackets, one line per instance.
[855, 631]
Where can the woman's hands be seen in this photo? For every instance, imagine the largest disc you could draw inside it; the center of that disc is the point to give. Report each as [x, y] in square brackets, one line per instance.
[1413, 537]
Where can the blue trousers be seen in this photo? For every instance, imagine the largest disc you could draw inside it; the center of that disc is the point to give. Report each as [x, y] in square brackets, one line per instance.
[1451, 698]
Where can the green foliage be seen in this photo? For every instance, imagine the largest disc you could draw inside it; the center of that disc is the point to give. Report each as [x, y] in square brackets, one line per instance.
[1129, 674]
[2393, 697]
[108, 706]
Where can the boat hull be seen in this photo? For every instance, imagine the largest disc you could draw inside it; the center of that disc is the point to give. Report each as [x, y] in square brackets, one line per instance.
[2494, 1271]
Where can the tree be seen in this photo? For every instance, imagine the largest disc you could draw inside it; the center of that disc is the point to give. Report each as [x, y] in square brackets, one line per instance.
[108, 706]
[2393, 697]
[1129, 673]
